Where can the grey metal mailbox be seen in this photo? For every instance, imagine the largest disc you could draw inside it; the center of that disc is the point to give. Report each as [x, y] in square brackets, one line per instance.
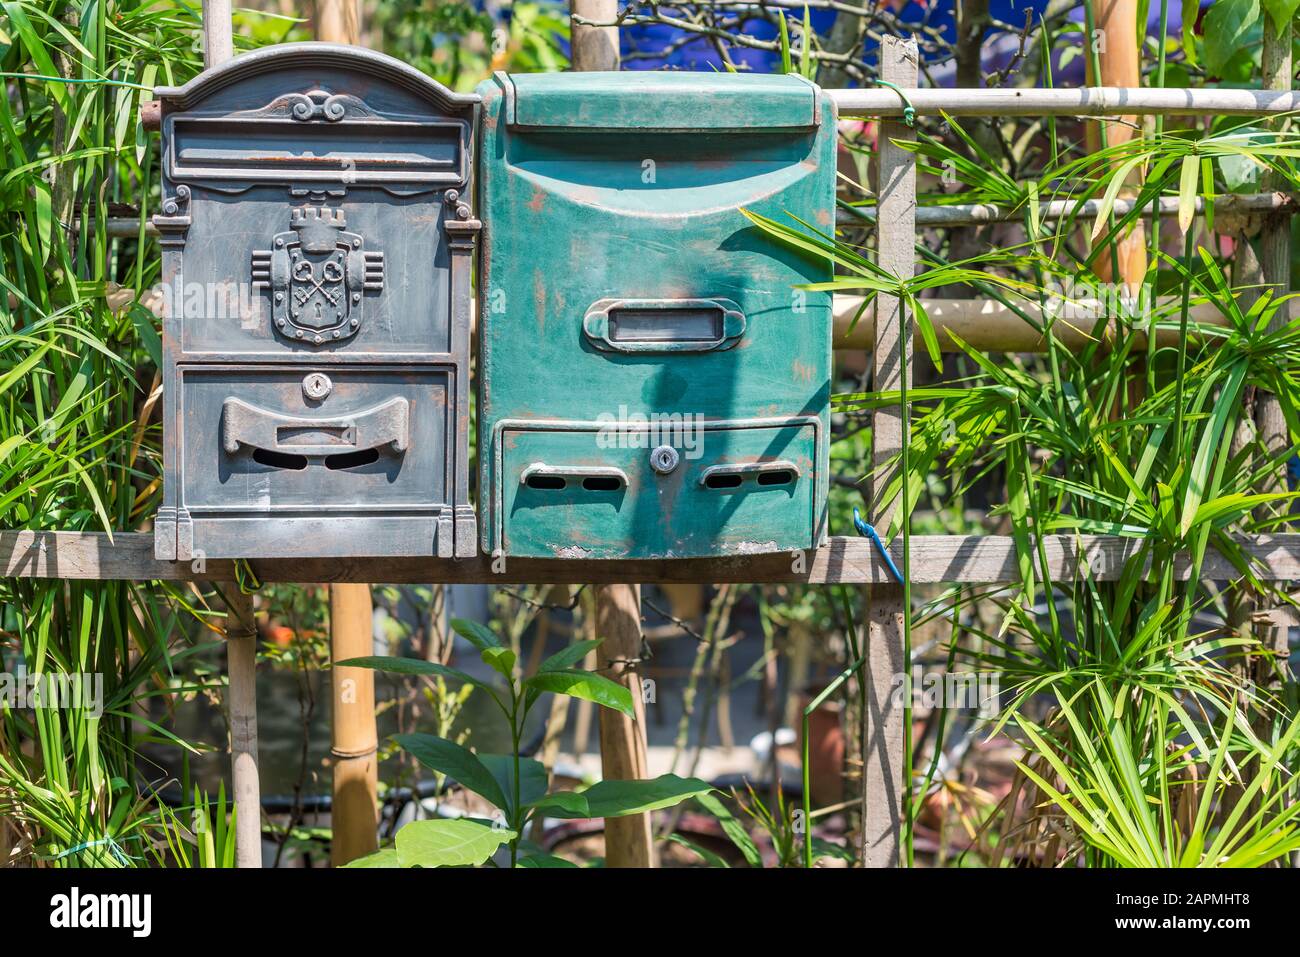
[317, 242]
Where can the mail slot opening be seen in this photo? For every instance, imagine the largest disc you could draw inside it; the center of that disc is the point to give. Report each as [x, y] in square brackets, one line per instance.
[723, 480]
[279, 460]
[665, 324]
[546, 483]
[351, 460]
[776, 477]
[601, 483]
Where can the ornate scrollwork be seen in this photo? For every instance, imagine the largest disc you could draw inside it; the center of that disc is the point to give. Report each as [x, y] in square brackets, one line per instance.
[459, 210]
[176, 204]
[317, 105]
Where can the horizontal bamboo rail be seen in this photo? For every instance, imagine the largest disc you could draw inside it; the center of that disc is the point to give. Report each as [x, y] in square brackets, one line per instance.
[969, 559]
[990, 326]
[1099, 101]
[979, 214]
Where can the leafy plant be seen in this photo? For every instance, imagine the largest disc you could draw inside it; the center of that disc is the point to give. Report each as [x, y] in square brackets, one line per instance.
[515, 785]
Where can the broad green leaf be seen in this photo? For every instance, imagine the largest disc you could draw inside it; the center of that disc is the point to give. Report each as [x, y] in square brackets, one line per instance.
[44, 218]
[570, 656]
[9, 444]
[1191, 10]
[385, 857]
[823, 848]
[733, 828]
[585, 685]
[544, 860]
[479, 635]
[500, 660]
[572, 803]
[449, 843]
[1281, 12]
[533, 779]
[147, 331]
[1226, 25]
[1117, 183]
[1241, 170]
[456, 761]
[618, 798]
[1187, 191]
[710, 858]
[410, 666]
[1035, 226]
[1198, 479]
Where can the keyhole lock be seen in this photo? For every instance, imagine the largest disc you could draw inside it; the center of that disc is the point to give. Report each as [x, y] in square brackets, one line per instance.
[317, 386]
[664, 459]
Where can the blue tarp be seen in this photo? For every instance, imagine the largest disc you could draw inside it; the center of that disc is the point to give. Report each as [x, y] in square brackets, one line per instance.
[649, 41]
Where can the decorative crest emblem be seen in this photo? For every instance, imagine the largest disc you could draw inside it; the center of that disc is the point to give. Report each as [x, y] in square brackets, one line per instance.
[317, 274]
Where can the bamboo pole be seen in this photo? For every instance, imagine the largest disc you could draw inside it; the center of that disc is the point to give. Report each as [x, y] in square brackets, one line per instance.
[978, 214]
[1085, 101]
[628, 841]
[1271, 429]
[241, 627]
[354, 739]
[338, 21]
[354, 735]
[1275, 242]
[1118, 62]
[884, 787]
[993, 327]
[218, 33]
[241, 663]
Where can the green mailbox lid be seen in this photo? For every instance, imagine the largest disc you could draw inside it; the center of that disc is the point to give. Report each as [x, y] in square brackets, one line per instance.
[644, 100]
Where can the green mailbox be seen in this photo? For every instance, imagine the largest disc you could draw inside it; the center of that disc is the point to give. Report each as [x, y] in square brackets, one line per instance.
[651, 382]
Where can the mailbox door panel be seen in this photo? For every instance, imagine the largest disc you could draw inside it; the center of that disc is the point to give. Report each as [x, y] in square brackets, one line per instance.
[249, 289]
[256, 442]
[581, 494]
[679, 259]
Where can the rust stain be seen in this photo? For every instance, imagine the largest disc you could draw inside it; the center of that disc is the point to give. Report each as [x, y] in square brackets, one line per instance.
[538, 201]
[802, 371]
[824, 217]
[539, 300]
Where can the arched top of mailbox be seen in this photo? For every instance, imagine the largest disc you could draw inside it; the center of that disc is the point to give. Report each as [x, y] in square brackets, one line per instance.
[351, 66]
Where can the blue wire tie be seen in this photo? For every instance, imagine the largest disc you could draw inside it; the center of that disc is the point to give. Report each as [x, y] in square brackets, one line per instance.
[866, 528]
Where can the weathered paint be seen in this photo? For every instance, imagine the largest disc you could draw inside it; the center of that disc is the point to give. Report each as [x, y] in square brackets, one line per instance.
[618, 271]
[322, 407]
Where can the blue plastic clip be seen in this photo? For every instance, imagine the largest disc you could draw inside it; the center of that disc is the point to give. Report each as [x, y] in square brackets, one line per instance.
[865, 528]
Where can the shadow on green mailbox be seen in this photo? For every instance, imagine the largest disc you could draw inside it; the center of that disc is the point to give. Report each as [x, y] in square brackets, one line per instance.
[652, 384]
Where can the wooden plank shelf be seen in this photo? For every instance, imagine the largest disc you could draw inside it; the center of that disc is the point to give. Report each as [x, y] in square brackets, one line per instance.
[967, 559]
